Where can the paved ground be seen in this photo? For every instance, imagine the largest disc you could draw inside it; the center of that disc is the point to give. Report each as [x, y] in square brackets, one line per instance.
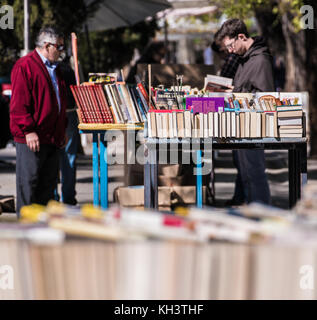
[276, 163]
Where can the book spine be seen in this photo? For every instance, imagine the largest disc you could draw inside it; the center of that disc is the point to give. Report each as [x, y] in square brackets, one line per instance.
[104, 104]
[145, 95]
[134, 104]
[144, 102]
[90, 105]
[124, 107]
[111, 106]
[80, 112]
[129, 104]
[115, 104]
[85, 104]
[137, 103]
[96, 104]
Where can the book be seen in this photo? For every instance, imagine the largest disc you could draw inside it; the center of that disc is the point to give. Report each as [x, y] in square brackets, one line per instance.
[289, 121]
[216, 125]
[242, 124]
[180, 124]
[223, 125]
[228, 124]
[204, 104]
[167, 99]
[215, 83]
[290, 114]
[187, 124]
[211, 124]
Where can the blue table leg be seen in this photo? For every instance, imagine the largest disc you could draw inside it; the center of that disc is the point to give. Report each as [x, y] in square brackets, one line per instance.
[95, 168]
[103, 172]
[199, 181]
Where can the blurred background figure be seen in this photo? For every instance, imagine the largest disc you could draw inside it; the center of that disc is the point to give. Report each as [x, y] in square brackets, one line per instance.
[68, 154]
[153, 54]
[208, 54]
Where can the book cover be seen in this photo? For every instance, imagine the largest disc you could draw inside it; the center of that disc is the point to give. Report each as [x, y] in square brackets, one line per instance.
[215, 83]
[104, 104]
[205, 104]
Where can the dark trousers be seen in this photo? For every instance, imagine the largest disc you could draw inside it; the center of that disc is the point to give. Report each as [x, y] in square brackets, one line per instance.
[251, 182]
[36, 174]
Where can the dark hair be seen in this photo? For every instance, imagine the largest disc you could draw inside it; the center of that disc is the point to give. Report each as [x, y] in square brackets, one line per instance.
[231, 28]
[215, 47]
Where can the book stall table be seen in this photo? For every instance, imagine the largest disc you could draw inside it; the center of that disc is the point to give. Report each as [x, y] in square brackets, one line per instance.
[297, 161]
[99, 157]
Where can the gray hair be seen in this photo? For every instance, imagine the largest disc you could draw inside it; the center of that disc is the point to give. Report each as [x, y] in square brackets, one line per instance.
[48, 34]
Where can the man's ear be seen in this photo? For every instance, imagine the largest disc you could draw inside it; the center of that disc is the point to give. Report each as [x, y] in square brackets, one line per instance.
[46, 46]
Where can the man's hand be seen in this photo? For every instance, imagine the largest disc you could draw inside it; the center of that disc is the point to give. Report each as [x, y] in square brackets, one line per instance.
[33, 141]
[66, 139]
[230, 90]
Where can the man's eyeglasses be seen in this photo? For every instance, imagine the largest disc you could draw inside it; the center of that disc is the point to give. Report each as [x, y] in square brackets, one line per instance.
[231, 45]
[58, 47]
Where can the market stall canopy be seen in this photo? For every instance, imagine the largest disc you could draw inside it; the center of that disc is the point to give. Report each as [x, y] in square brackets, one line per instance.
[119, 13]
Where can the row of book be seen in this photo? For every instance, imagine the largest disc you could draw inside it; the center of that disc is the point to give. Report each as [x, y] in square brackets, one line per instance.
[186, 124]
[252, 252]
[158, 270]
[110, 103]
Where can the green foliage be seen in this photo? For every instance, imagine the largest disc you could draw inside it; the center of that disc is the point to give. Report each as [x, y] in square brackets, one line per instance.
[67, 15]
[244, 9]
[110, 49]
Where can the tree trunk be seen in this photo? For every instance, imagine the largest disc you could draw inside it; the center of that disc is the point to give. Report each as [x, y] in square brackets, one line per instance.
[300, 52]
[311, 84]
[301, 68]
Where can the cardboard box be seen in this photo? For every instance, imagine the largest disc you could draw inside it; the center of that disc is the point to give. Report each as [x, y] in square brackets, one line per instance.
[168, 197]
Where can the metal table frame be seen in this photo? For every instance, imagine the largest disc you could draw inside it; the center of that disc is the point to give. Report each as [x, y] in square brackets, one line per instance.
[297, 161]
[99, 157]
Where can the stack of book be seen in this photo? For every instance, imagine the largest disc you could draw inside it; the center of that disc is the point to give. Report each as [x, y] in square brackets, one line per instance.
[290, 120]
[253, 252]
[224, 115]
[186, 124]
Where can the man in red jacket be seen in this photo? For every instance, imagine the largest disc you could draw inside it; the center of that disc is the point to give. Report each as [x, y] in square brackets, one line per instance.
[38, 118]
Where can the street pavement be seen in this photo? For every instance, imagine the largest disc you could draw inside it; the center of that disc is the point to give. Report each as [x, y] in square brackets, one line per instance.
[276, 164]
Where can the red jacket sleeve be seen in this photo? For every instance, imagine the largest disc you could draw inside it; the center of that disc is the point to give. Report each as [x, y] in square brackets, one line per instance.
[21, 109]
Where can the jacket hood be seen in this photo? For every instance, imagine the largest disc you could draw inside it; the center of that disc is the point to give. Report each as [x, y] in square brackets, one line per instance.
[258, 47]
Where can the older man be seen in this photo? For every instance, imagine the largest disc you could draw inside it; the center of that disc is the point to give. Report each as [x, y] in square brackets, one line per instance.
[38, 118]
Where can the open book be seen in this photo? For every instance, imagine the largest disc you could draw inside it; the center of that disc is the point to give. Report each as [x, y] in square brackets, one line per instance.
[216, 83]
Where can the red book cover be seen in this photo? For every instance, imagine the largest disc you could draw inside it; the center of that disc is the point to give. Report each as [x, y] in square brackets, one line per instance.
[83, 104]
[145, 94]
[78, 103]
[89, 102]
[99, 103]
[95, 103]
[92, 106]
